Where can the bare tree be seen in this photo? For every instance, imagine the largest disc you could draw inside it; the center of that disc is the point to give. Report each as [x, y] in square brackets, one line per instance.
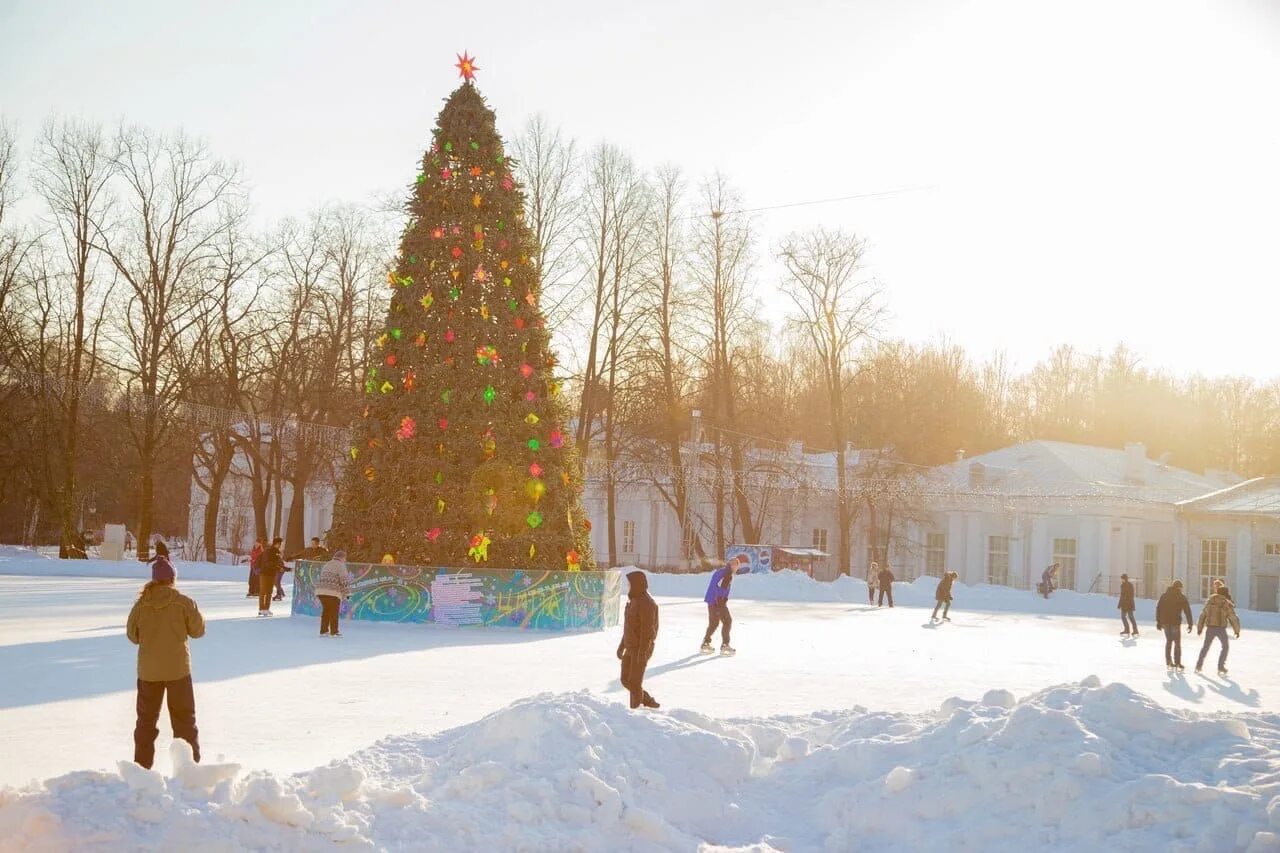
[72, 173]
[176, 212]
[721, 267]
[837, 309]
[548, 170]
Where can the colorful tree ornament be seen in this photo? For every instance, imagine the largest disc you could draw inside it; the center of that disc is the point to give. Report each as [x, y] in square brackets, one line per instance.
[489, 394]
[479, 549]
[573, 561]
[407, 428]
[433, 534]
[533, 519]
[556, 438]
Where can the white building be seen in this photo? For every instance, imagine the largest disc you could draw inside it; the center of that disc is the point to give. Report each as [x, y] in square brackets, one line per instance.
[235, 509]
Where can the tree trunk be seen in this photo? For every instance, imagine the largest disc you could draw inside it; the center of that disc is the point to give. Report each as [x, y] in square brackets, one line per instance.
[210, 534]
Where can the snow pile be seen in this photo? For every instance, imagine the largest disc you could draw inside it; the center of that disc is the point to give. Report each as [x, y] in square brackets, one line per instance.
[23, 561]
[9, 553]
[1075, 767]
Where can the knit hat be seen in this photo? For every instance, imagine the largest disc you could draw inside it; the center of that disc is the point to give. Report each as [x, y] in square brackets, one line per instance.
[162, 570]
[340, 554]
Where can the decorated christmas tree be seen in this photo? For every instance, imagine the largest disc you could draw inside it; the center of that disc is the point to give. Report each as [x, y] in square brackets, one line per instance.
[462, 455]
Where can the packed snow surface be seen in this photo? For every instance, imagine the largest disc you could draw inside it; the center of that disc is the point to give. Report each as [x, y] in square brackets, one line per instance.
[837, 726]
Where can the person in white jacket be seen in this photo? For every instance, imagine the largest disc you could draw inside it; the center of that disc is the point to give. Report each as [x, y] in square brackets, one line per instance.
[333, 585]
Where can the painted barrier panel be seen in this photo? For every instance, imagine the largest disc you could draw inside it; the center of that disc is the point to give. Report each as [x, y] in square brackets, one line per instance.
[490, 598]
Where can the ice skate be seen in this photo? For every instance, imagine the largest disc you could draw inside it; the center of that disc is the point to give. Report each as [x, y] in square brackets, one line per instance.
[707, 649]
[1222, 673]
[727, 649]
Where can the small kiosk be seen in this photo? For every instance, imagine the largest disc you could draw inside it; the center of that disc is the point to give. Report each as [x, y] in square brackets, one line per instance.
[776, 558]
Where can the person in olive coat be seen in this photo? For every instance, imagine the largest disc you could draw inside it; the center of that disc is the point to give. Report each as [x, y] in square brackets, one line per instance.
[943, 596]
[159, 624]
[1127, 607]
[639, 632]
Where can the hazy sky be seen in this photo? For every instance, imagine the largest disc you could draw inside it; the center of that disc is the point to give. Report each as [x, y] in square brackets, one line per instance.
[1101, 170]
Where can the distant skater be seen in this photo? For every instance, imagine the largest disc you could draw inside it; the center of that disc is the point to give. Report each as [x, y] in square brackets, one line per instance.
[333, 586]
[270, 566]
[1127, 607]
[717, 599]
[639, 633]
[1048, 580]
[1218, 613]
[255, 556]
[161, 621]
[943, 596]
[885, 581]
[873, 574]
[1170, 609]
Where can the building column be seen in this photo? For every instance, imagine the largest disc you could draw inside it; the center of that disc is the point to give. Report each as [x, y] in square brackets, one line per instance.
[974, 570]
[1104, 559]
[1041, 549]
[1181, 532]
[1016, 551]
[655, 525]
[1242, 578]
[954, 558]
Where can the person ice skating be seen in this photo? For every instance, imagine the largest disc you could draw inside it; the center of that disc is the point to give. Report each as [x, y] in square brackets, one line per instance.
[717, 599]
[639, 633]
[1169, 612]
[873, 575]
[315, 552]
[1048, 580]
[1127, 607]
[333, 586]
[255, 556]
[270, 565]
[1218, 613]
[1220, 586]
[943, 596]
[161, 621]
[884, 581]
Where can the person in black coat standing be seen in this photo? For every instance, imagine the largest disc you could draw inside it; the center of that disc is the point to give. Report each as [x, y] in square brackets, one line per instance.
[943, 596]
[1127, 607]
[885, 583]
[639, 632]
[270, 566]
[1169, 612]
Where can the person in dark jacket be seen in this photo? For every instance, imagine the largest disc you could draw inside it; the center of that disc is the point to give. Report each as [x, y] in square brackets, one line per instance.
[159, 624]
[943, 596]
[1127, 607]
[639, 633]
[270, 566]
[1169, 612]
[717, 599]
[885, 581]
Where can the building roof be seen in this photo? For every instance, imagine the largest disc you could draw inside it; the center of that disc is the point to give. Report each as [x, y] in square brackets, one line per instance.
[1063, 469]
[1259, 496]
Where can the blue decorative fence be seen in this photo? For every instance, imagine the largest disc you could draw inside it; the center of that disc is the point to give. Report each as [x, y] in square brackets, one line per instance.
[491, 598]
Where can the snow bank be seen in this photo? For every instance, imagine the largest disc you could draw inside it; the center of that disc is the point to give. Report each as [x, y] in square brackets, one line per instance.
[793, 586]
[1076, 767]
[15, 560]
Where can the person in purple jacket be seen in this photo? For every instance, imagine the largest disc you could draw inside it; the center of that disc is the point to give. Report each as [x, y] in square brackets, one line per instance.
[717, 599]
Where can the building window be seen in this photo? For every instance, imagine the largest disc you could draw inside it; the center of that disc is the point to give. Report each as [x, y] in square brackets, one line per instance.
[1213, 564]
[935, 554]
[820, 538]
[1064, 554]
[628, 537]
[1150, 570]
[998, 560]
[1273, 549]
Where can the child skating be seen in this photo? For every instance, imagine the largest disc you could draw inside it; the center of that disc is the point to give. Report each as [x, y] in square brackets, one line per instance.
[943, 596]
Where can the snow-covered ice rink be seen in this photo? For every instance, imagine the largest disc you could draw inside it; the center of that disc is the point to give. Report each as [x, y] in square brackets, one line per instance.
[838, 725]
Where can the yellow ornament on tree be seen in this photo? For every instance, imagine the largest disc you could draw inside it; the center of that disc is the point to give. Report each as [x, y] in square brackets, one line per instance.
[479, 550]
